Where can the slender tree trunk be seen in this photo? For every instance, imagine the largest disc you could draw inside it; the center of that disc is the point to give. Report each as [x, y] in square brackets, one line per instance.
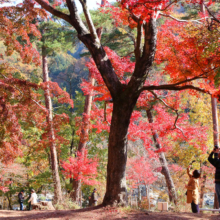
[165, 170]
[139, 195]
[86, 118]
[148, 196]
[83, 137]
[215, 134]
[53, 150]
[202, 191]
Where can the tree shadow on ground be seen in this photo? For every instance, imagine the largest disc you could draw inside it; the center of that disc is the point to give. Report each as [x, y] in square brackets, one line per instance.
[26, 215]
[99, 213]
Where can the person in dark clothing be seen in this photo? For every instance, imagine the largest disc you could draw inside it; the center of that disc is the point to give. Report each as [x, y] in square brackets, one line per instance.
[94, 198]
[216, 163]
[21, 199]
[90, 201]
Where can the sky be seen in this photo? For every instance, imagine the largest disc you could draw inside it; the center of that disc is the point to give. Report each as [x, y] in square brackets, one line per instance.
[92, 4]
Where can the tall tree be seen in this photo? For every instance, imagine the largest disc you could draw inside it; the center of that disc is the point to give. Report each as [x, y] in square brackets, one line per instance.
[53, 150]
[165, 170]
[53, 40]
[84, 134]
[143, 16]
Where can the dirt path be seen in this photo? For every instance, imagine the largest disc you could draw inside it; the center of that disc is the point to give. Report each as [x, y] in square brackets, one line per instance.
[101, 214]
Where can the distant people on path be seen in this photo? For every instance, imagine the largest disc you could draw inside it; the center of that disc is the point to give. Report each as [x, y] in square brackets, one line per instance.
[193, 189]
[21, 199]
[216, 163]
[94, 198]
[33, 198]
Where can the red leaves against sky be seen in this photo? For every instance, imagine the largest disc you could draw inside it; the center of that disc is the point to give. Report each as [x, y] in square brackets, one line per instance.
[143, 9]
[81, 168]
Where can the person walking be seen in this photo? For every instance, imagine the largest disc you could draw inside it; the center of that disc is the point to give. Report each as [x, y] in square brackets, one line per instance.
[216, 163]
[94, 197]
[193, 189]
[21, 199]
[33, 198]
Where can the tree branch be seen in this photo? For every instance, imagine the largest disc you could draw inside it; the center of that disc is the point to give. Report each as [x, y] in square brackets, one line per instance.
[75, 19]
[89, 22]
[173, 87]
[176, 111]
[53, 11]
[213, 16]
[138, 43]
[180, 20]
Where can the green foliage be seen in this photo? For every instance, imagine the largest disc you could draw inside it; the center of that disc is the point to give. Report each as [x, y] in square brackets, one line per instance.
[55, 37]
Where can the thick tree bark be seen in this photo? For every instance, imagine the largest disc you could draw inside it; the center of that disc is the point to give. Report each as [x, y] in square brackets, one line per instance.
[83, 138]
[123, 105]
[116, 193]
[165, 170]
[53, 150]
[215, 134]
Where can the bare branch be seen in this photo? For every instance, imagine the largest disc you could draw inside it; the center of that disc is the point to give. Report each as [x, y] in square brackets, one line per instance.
[174, 87]
[213, 16]
[76, 21]
[176, 111]
[89, 22]
[181, 20]
[53, 11]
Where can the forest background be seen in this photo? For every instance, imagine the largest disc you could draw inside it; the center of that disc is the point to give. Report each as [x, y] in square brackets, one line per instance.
[41, 128]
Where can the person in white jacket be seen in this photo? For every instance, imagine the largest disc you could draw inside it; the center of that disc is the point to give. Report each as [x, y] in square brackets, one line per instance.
[33, 199]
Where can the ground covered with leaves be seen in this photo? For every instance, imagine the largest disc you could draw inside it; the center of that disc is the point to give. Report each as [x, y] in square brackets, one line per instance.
[101, 213]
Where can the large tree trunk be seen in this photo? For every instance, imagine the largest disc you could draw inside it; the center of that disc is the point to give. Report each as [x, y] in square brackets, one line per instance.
[83, 138]
[116, 192]
[123, 105]
[215, 134]
[165, 170]
[53, 150]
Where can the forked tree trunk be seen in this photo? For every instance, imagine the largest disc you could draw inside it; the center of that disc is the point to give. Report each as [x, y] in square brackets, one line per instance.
[53, 150]
[215, 134]
[123, 105]
[83, 137]
[165, 170]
